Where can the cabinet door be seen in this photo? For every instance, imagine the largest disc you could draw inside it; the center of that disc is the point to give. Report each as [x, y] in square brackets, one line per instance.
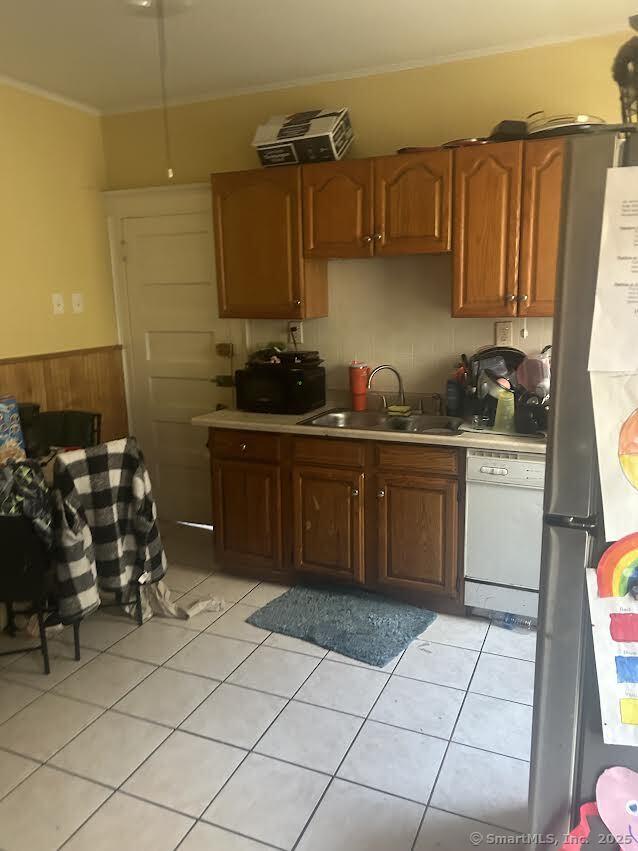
[247, 513]
[487, 203]
[257, 222]
[417, 533]
[337, 209]
[540, 229]
[412, 203]
[328, 522]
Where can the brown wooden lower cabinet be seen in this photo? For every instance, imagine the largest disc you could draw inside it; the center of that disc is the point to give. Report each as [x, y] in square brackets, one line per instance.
[417, 520]
[327, 517]
[379, 514]
[247, 513]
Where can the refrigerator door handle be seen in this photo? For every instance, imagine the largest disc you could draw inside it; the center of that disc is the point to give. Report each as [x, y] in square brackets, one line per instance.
[567, 521]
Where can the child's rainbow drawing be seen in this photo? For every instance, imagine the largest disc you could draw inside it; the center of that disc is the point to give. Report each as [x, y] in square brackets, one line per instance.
[628, 448]
[627, 669]
[618, 568]
[623, 627]
[614, 619]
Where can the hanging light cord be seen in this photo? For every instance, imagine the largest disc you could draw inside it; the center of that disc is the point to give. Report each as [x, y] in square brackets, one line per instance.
[161, 47]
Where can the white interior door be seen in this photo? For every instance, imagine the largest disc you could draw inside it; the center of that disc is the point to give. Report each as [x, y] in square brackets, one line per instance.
[173, 326]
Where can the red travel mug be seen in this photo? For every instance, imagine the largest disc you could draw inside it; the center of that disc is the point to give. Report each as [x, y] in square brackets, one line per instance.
[359, 373]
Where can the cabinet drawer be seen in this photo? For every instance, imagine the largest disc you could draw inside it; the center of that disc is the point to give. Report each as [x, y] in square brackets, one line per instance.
[422, 459]
[247, 445]
[325, 450]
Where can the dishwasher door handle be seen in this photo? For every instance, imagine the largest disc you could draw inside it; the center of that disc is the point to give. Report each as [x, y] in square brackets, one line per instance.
[568, 521]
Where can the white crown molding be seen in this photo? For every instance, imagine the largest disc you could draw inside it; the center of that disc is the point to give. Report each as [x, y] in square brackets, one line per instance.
[461, 56]
[47, 95]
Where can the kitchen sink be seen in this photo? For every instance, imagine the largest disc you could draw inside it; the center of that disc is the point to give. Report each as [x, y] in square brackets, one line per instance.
[381, 421]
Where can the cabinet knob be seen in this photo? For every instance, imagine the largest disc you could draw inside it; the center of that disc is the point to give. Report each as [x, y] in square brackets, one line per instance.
[381, 494]
[378, 237]
[243, 447]
[509, 297]
[355, 491]
[522, 299]
[366, 239]
[297, 302]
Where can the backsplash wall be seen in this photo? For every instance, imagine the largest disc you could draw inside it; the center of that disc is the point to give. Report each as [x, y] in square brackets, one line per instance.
[395, 310]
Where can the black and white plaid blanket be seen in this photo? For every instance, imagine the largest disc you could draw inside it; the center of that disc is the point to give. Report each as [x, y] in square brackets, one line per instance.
[107, 489]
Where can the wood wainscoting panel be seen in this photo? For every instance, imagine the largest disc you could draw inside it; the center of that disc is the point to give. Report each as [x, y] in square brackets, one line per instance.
[85, 379]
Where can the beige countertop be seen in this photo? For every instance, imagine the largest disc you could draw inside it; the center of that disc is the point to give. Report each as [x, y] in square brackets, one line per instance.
[287, 424]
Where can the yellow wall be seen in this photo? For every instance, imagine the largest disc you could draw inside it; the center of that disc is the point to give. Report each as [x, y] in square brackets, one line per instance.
[425, 106]
[52, 227]
[51, 217]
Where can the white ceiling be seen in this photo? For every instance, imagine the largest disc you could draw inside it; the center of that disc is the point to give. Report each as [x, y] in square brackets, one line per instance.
[99, 53]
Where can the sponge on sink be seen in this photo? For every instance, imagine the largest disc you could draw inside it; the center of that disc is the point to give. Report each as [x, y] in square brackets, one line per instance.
[398, 410]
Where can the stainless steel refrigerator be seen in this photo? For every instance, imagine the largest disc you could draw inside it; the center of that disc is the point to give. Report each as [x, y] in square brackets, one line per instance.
[568, 752]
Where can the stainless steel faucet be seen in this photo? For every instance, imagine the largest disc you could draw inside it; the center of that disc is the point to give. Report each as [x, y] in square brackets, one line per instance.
[396, 372]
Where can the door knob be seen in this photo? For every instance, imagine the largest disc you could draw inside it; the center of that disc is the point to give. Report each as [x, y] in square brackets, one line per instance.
[510, 297]
[381, 494]
[297, 302]
[355, 492]
[522, 299]
[378, 237]
[367, 239]
[243, 447]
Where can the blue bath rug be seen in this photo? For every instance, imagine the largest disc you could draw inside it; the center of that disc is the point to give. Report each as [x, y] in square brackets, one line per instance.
[356, 623]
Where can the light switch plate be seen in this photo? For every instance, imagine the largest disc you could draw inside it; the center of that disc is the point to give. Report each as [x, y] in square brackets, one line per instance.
[503, 333]
[57, 300]
[77, 302]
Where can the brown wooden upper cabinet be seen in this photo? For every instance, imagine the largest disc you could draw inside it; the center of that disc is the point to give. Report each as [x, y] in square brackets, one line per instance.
[487, 203]
[382, 206]
[337, 209]
[507, 199]
[540, 231]
[261, 272]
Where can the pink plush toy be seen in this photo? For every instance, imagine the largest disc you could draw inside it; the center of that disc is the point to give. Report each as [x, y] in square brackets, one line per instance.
[617, 800]
[616, 806]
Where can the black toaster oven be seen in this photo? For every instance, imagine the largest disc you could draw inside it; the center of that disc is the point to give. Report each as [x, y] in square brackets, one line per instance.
[280, 388]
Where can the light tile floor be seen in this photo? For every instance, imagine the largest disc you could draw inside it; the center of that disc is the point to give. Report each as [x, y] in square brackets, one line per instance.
[218, 735]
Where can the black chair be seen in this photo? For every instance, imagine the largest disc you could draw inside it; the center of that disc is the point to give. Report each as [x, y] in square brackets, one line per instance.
[69, 428]
[26, 576]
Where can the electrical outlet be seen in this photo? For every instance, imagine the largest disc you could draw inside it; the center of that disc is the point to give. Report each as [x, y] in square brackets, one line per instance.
[295, 331]
[224, 350]
[503, 333]
[77, 302]
[57, 300]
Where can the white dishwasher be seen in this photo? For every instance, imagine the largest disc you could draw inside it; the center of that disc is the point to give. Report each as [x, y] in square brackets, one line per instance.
[503, 530]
